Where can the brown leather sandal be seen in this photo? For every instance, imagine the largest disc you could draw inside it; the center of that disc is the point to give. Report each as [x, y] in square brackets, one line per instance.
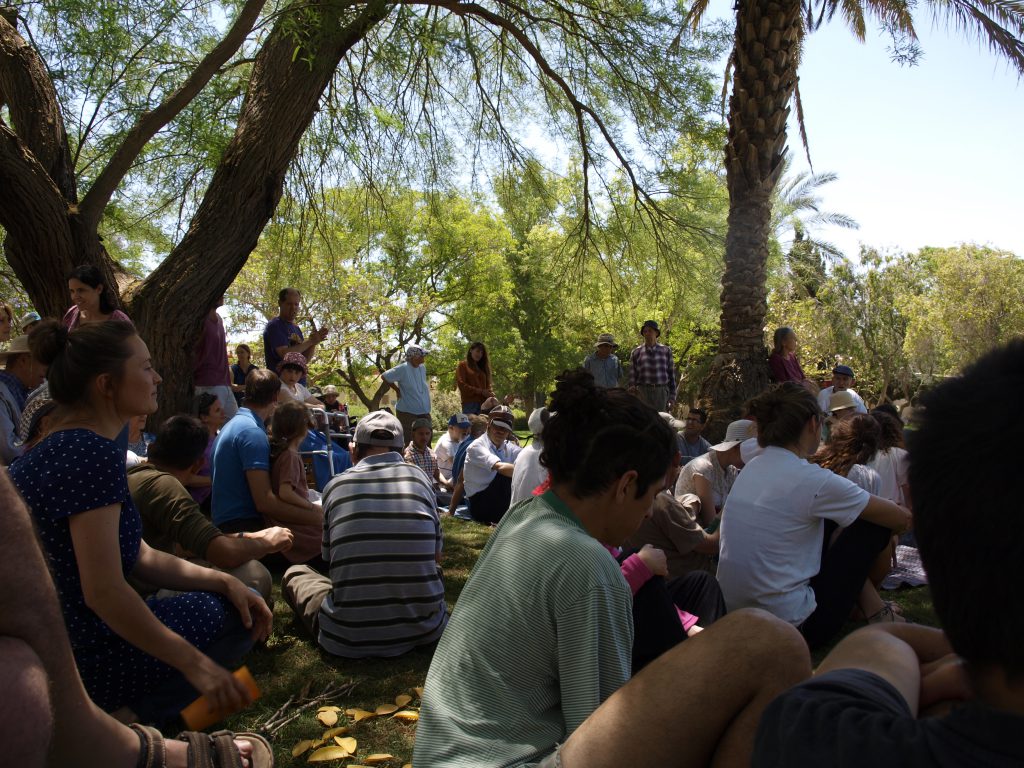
[205, 750]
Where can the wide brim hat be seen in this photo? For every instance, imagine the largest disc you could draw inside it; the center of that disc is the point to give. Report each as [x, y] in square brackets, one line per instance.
[606, 339]
[672, 421]
[18, 346]
[380, 428]
[296, 359]
[330, 389]
[841, 400]
[650, 324]
[735, 433]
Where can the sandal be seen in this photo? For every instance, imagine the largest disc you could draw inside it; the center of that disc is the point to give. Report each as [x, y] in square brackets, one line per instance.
[886, 616]
[205, 750]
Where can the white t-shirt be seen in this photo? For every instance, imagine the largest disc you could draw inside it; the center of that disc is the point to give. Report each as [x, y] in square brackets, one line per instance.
[480, 457]
[825, 395]
[300, 393]
[865, 477]
[772, 531]
[528, 472]
[444, 452]
[892, 466]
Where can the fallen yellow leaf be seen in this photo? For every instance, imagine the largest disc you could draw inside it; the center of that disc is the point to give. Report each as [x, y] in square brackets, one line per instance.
[408, 715]
[403, 699]
[329, 753]
[330, 734]
[407, 765]
[346, 742]
[329, 708]
[359, 714]
[302, 746]
[387, 709]
[418, 691]
[378, 758]
[327, 718]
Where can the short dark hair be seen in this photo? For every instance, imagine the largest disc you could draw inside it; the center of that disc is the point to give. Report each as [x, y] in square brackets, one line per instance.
[584, 438]
[243, 346]
[260, 387]
[700, 413]
[202, 403]
[971, 531]
[75, 358]
[180, 442]
[781, 413]
[283, 294]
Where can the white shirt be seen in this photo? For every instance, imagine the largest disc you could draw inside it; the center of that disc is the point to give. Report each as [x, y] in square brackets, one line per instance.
[528, 472]
[300, 393]
[826, 394]
[481, 456]
[772, 531]
[444, 452]
[708, 467]
[892, 466]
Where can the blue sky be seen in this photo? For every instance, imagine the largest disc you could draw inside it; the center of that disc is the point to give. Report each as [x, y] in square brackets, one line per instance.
[926, 155]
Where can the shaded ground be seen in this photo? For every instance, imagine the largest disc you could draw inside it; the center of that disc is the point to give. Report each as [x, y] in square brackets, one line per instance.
[291, 660]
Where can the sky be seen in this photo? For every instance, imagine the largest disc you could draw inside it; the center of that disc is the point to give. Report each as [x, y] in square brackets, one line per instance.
[925, 155]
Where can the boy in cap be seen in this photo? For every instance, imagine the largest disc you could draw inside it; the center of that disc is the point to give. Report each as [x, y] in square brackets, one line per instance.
[444, 451]
[602, 364]
[381, 510]
[652, 372]
[409, 380]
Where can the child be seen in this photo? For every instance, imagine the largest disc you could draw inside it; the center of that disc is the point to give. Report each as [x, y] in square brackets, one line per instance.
[291, 370]
[288, 481]
[458, 430]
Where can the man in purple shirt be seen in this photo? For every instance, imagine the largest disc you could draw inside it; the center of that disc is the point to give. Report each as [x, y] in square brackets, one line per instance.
[652, 373]
[282, 335]
[210, 372]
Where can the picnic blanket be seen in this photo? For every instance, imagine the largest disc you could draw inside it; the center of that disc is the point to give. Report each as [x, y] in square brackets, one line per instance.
[908, 571]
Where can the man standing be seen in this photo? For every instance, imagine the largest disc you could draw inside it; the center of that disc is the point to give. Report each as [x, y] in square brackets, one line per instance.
[241, 465]
[382, 538]
[692, 444]
[409, 380]
[282, 335]
[842, 380]
[20, 376]
[652, 373]
[210, 372]
[602, 364]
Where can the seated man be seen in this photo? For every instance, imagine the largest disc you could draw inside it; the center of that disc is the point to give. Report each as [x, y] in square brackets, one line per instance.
[477, 426]
[458, 430]
[385, 594]
[691, 442]
[490, 461]
[171, 518]
[20, 376]
[241, 465]
[877, 695]
[674, 529]
[419, 453]
[842, 381]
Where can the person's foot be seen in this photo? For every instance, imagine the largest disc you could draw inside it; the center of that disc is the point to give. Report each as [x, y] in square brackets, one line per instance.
[886, 616]
[177, 753]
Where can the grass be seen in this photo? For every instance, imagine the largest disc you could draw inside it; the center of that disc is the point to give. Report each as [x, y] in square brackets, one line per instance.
[291, 660]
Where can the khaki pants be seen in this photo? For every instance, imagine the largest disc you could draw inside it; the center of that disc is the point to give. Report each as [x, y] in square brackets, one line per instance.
[304, 589]
[655, 395]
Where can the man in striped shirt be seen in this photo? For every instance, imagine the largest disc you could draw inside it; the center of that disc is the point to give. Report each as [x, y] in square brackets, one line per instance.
[652, 372]
[382, 537]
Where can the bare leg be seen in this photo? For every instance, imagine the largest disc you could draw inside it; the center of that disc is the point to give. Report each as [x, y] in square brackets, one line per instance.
[700, 703]
[26, 721]
[31, 622]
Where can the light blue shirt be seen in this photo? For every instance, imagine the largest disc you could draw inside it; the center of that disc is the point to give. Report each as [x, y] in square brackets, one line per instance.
[241, 445]
[415, 397]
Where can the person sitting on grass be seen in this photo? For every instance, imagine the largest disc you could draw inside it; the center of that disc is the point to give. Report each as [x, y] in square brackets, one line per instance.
[488, 470]
[710, 477]
[449, 442]
[534, 667]
[420, 453]
[207, 408]
[477, 426]
[173, 522]
[896, 695]
[528, 473]
[777, 547]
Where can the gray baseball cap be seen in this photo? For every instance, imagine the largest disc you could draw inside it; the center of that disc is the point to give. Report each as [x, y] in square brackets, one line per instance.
[380, 428]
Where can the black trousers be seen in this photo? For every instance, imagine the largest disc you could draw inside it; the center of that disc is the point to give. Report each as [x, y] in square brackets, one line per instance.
[844, 569]
[656, 626]
[490, 505]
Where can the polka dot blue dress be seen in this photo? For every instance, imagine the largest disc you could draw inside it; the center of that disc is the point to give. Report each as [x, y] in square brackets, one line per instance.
[74, 471]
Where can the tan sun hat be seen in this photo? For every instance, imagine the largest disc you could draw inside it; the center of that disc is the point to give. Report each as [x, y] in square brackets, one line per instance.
[606, 339]
[736, 433]
[18, 346]
[840, 401]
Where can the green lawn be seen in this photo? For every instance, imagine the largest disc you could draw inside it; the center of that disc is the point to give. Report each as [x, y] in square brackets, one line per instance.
[291, 661]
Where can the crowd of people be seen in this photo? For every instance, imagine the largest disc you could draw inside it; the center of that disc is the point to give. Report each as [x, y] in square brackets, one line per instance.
[635, 568]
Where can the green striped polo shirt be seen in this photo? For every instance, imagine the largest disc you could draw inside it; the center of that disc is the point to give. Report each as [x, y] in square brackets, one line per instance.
[540, 636]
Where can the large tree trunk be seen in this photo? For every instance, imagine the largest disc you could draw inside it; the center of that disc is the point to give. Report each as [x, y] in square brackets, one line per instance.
[765, 57]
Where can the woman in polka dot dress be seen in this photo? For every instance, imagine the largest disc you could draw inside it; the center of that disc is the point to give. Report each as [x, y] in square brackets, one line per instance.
[148, 657]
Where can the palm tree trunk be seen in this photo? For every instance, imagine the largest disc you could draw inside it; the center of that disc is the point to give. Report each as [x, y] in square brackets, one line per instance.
[765, 56]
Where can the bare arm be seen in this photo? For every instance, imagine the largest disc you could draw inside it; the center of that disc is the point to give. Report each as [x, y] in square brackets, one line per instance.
[232, 551]
[886, 513]
[503, 468]
[457, 492]
[707, 499]
[269, 504]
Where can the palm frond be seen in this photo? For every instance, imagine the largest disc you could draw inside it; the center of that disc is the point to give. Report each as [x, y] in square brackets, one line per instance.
[853, 12]
[831, 219]
[896, 15]
[695, 14]
[800, 122]
[999, 22]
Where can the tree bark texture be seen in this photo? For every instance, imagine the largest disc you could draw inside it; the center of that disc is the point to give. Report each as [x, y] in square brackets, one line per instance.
[765, 57]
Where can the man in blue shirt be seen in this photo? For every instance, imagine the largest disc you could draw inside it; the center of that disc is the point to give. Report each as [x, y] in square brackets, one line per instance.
[281, 335]
[409, 380]
[241, 465]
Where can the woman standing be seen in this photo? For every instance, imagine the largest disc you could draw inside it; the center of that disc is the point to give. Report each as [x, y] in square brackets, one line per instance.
[147, 658]
[778, 551]
[92, 302]
[240, 370]
[473, 378]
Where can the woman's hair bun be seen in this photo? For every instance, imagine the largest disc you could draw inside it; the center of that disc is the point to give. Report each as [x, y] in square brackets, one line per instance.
[47, 341]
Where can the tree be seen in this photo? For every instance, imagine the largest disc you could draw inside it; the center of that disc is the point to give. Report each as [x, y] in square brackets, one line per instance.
[765, 58]
[390, 91]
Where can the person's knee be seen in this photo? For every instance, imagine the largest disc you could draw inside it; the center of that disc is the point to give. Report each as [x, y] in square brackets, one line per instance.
[26, 716]
[767, 643]
[255, 576]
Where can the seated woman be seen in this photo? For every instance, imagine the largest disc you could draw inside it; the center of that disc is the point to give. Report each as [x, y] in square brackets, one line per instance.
[92, 302]
[778, 522]
[292, 369]
[207, 408]
[891, 462]
[240, 370]
[147, 657]
[783, 362]
[710, 477]
[487, 474]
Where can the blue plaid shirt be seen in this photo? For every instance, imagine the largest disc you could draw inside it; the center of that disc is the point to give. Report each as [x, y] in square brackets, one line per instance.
[653, 365]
